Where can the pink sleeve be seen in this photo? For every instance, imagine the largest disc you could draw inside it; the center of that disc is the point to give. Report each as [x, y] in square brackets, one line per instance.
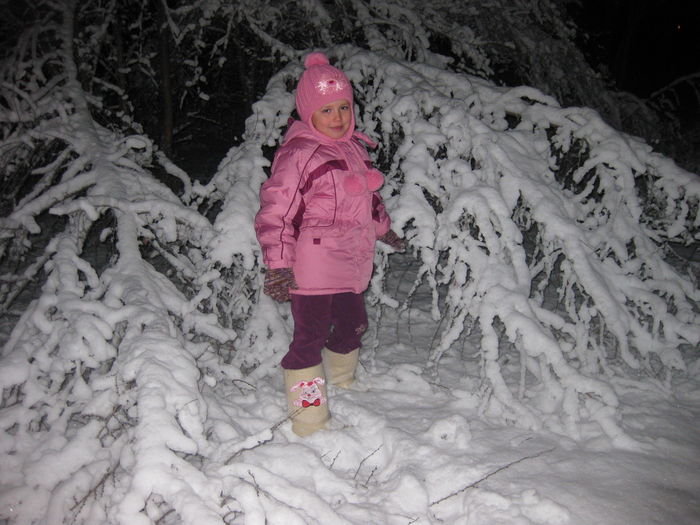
[382, 222]
[280, 202]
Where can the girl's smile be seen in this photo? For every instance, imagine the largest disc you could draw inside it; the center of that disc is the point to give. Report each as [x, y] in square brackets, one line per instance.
[333, 119]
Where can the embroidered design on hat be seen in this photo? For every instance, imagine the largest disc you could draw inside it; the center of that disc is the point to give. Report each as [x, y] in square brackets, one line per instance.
[310, 394]
[330, 85]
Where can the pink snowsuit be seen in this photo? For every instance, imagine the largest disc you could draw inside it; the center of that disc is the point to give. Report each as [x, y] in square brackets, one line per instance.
[320, 213]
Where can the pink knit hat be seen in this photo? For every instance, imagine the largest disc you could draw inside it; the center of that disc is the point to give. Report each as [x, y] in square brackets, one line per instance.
[320, 84]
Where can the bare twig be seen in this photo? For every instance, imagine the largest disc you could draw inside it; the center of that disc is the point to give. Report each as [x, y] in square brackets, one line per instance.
[79, 504]
[255, 483]
[370, 477]
[162, 518]
[245, 382]
[330, 467]
[365, 459]
[493, 473]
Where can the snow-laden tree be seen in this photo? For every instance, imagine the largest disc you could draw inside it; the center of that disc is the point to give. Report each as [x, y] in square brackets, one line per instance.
[136, 309]
[541, 227]
[99, 376]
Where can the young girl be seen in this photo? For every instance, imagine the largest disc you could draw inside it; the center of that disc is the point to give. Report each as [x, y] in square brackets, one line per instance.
[320, 215]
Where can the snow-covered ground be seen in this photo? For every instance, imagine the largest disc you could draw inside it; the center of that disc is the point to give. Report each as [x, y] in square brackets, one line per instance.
[405, 449]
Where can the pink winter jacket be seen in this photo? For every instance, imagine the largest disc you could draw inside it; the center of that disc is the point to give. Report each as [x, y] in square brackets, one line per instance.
[318, 214]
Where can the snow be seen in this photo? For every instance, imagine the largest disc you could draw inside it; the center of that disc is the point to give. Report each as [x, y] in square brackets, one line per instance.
[532, 358]
[401, 448]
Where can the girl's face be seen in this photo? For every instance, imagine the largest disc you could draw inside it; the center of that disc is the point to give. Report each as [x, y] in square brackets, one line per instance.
[333, 119]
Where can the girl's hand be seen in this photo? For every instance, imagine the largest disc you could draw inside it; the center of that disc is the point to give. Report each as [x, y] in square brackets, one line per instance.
[278, 282]
[391, 239]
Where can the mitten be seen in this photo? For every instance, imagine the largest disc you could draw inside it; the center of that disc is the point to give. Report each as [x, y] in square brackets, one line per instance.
[278, 281]
[391, 239]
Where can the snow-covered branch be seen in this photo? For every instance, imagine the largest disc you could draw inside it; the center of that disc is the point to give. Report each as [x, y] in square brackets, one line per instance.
[101, 369]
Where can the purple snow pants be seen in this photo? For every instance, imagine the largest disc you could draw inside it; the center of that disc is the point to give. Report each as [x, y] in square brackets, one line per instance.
[336, 321]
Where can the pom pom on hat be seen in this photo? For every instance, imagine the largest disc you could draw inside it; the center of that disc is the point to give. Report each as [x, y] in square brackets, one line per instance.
[316, 59]
[321, 84]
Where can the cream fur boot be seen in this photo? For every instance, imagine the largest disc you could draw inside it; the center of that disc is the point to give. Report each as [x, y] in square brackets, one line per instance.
[340, 368]
[307, 401]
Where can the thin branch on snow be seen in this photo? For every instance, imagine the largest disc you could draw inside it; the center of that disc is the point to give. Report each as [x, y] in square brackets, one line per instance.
[490, 474]
[365, 459]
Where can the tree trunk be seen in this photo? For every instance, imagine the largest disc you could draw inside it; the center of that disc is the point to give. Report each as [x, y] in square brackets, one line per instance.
[164, 83]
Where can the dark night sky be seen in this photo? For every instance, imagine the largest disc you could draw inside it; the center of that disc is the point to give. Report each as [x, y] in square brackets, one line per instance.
[646, 44]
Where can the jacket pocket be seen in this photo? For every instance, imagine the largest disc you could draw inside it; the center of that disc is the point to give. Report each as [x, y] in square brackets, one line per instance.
[320, 195]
